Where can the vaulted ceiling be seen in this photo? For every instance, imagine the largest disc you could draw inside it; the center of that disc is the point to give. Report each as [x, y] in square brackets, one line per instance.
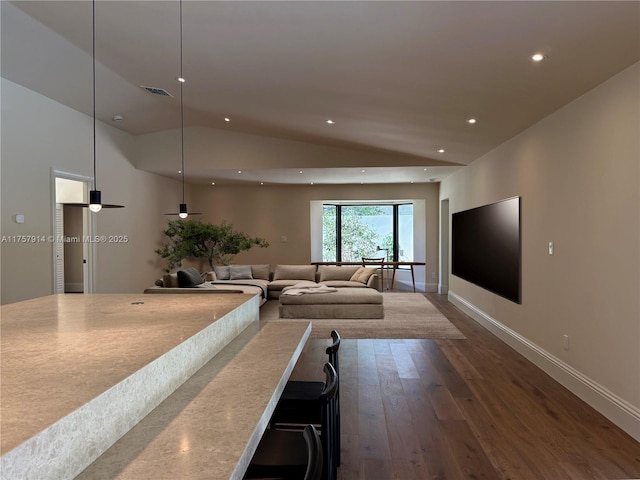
[398, 78]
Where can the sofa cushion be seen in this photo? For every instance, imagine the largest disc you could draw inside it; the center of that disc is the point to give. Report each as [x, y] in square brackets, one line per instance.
[345, 284]
[295, 272]
[189, 278]
[240, 272]
[329, 272]
[170, 280]
[344, 296]
[278, 285]
[363, 274]
[260, 272]
[222, 272]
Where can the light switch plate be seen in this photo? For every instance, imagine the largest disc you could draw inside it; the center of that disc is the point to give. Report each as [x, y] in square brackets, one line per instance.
[550, 248]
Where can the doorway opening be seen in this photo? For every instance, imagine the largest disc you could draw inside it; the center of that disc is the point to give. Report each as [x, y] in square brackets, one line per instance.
[73, 254]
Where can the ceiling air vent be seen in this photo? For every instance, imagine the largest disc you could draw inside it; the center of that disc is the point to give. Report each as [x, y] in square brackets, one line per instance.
[156, 91]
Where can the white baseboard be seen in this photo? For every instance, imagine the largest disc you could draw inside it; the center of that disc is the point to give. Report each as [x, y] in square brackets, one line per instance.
[616, 409]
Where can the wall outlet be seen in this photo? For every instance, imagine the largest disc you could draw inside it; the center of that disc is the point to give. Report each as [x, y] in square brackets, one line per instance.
[283, 238]
[565, 342]
[550, 248]
[433, 275]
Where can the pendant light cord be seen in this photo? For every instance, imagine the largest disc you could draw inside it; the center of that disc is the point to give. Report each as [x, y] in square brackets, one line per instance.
[95, 180]
[181, 106]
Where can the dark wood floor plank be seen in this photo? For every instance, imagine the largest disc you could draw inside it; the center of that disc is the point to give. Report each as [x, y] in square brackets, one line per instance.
[429, 433]
[374, 443]
[407, 459]
[404, 363]
[503, 455]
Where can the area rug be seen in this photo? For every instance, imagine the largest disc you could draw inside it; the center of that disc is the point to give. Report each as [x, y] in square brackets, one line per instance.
[406, 315]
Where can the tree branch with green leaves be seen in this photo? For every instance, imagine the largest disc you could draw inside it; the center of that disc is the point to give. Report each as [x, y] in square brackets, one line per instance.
[219, 244]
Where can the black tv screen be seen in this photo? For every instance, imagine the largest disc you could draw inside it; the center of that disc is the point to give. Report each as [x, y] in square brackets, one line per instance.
[485, 247]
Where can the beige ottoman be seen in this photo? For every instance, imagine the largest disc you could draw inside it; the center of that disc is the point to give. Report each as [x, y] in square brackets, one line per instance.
[345, 303]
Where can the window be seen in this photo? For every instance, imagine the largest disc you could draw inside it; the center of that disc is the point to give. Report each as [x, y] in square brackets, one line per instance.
[350, 232]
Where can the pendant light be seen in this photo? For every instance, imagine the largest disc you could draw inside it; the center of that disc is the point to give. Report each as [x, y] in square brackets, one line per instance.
[183, 212]
[95, 196]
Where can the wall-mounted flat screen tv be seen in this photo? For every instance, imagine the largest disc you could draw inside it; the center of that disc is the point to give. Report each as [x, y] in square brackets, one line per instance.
[485, 247]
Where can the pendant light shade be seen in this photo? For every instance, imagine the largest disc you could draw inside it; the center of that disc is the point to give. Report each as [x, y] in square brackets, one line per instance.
[183, 212]
[95, 200]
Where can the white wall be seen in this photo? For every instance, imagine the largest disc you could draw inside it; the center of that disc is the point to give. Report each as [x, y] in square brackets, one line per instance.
[38, 135]
[577, 172]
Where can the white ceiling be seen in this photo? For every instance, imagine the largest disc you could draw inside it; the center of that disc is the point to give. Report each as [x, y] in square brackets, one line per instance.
[397, 77]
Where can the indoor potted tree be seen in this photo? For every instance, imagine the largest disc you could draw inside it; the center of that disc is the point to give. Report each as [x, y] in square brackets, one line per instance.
[194, 239]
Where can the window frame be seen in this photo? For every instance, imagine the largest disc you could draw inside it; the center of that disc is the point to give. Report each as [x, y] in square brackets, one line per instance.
[394, 254]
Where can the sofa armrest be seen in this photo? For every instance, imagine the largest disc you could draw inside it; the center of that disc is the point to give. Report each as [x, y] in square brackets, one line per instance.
[374, 281]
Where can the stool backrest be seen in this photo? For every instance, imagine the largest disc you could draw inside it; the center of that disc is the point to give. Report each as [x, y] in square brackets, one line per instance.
[328, 422]
[314, 453]
[332, 350]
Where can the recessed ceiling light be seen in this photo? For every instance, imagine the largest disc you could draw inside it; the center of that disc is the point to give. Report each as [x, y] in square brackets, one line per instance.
[331, 122]
[227, 119]
[179, 171]
[239, 171]
[181, 79]
[471, 121]
[213, 183]
[117, 118]
[441, 150]
[538, 57]
[363, 170]
[311, 183]
[261, 183]
[300, 171]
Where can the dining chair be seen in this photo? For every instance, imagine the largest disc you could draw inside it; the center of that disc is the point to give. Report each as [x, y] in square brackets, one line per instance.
[276, 457]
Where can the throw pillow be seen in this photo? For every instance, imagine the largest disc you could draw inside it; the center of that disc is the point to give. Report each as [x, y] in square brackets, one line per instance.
[260, 272]
[170, 280]
[222, 272]
[210, 276]
[363, 274]
[240, 272]
[295, 272]
[189, 278]
[328, 273]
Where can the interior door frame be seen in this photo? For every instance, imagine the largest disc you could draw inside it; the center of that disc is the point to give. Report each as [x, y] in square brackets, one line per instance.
[445, 239]
[88, 230]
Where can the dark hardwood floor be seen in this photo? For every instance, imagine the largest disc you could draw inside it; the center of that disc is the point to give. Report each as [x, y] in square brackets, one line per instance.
[464, 409]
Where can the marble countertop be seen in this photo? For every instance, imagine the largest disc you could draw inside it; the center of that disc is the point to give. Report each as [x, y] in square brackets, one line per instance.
[210, 427]
[60, 351]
